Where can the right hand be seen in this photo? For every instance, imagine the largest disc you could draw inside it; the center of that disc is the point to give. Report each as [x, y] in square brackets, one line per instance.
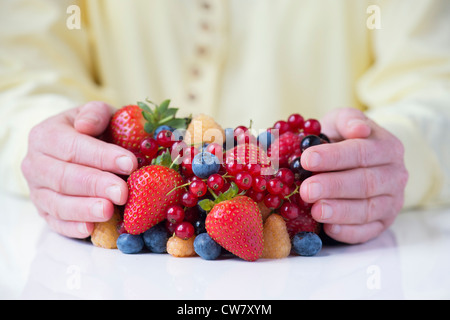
[70, 172]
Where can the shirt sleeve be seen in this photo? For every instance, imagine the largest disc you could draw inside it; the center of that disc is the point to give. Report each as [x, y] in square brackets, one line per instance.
[45, 68]
[407, 91]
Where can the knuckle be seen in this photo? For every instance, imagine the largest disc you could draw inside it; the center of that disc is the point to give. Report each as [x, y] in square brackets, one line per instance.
[371, 207]
[90, 184]
[361, 152]
[369, 183]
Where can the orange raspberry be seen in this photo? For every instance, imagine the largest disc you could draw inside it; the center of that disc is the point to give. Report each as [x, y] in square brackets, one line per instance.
[277, 243]
[204, 129]
[178, 247]
[105, 234]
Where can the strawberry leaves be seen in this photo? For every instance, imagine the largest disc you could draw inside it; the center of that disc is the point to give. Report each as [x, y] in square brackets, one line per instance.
[161, 115]
[208, 204]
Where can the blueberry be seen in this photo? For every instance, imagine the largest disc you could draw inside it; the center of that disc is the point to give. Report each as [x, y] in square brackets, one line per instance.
[155, 238]
[265, 139]
[130, 243]
[161, 128]
[307, 243]
[206, 247]
[205, 164]
[309, 141]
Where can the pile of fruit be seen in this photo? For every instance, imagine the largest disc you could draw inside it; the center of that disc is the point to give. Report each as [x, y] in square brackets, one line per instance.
[204, 190]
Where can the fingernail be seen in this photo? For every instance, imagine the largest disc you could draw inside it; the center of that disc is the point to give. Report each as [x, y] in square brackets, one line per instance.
[314, 190]
[114, 193]
[313, 159]
[82, 228]
[97, 209]
[355, 122]
[335, 229]
[327, 211]
[91, 118]
[125, 164]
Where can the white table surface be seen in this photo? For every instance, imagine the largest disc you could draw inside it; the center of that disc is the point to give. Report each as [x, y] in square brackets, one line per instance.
[411, 260]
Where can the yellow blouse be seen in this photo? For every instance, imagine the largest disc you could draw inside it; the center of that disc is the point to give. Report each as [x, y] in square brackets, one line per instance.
[235, 60]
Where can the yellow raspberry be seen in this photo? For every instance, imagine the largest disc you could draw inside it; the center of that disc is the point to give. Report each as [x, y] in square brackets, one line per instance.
[105, 234]
[265, 212]
[277, 243]
[203, 129]
[178, 247]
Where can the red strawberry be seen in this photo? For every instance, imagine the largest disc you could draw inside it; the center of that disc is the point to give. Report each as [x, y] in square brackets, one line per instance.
[126, 128]
[304, 222]
[237, 225]
[149, 197]
[248, 153]
[284, 147]
[133, 123]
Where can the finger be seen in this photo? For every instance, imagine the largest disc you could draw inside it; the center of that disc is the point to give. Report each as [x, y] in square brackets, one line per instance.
[59, 140]
[357, 183]
[71, 229]
[352, 124]
[346, 123]
[71, 208]
[76, 180]
[93, 118]
[354, 234]
[359, 211]
[352, 153]
[92, 152]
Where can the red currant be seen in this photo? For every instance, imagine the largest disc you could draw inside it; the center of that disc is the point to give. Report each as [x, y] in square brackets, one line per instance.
[286, 176]
[149, 147]
[282, 126]
[272, 201]
[240, 130]
[142, 160]
[170, 226]
[275, 186]
[177, 149]
[289, 210]
[184, 230]
[312, 126]
[188, 199]
[296, 122]
[255, 195]
[186, 167]
[244, 180]
[175, 213]
[198, 188]
[215, 182]
[233, 167]
[215, 149]
[164, 138]
[259, 184]
[253, 168]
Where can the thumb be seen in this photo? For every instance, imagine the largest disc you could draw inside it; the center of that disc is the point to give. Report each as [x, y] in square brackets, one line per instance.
[93, 118]
[352, 124]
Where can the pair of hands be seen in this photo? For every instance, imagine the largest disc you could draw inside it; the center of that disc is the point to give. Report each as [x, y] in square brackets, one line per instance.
[71, 177]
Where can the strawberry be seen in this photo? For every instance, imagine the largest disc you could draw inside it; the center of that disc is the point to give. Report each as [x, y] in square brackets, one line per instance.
[249, 154]
[151, 190]
[304, 222]
[237, 225]
[133, 123]
[126, 128]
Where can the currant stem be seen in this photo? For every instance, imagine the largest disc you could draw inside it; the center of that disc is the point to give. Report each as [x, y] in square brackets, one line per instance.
[293, 192]
[178, 187]
[213, 193]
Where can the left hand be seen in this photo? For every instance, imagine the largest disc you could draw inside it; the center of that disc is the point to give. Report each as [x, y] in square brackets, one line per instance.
[359, 181]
